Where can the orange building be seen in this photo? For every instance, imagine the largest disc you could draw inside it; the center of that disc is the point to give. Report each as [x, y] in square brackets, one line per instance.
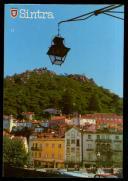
[47, 152]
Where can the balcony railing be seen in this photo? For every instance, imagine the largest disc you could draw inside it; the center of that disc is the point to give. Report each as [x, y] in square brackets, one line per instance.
[116, 150]
[36, 148]
[104, 140]
[101, 150]
[118, 141]
[89, 149]
[89, 140]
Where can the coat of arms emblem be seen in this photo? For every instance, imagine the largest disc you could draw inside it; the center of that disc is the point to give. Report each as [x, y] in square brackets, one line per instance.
[14, 12]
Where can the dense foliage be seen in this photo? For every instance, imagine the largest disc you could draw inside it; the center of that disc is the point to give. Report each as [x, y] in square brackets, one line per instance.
[41, 89]
[14, 152]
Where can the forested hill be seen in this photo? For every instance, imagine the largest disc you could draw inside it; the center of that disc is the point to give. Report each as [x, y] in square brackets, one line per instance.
[40, 89]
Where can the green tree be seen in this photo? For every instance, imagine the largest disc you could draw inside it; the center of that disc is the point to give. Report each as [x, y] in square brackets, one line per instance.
[94, 103]
[14, 152]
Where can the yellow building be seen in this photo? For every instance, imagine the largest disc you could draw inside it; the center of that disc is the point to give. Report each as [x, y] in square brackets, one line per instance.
[47, 152]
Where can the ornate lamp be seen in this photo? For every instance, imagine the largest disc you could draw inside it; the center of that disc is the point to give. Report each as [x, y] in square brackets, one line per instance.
[58, 51]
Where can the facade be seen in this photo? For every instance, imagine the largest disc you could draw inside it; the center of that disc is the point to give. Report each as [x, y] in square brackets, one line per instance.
[47, 152]
[45, 123]
[84, 119]
[56, 121]
[75, 121]
[38, 129]
[101, 148]
[28, 115]
[89, 149]
[117, 148]
[73, 147]
[9, 123]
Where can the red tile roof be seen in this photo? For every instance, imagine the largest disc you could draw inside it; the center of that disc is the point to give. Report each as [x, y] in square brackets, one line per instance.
[28, 113]
[57, 118]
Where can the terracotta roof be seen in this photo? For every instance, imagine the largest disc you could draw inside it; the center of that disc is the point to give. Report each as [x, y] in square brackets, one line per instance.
[55, 118]
[27, 112]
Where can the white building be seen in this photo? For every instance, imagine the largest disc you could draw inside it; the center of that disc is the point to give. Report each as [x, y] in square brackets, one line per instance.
[83, 121]
[73, 147]
[9, 123]
[89, 149]
[75, 121]
[93, 148]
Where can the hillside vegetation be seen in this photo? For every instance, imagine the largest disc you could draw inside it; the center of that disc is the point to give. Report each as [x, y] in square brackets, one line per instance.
[40, 89]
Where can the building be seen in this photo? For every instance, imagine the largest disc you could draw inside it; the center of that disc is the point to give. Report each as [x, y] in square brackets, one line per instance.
[101, 148]
[117, 149]
[56, 121]
[74, 121]
[45, 123]
[86, 119]
[39, 129]
[52, 111]
[9, 123]
[73, 147]
[89, 149]
[28, 115]
[47, 151]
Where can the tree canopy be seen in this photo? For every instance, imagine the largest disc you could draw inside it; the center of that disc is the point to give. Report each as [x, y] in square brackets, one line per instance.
[41, 89]
[14, 152]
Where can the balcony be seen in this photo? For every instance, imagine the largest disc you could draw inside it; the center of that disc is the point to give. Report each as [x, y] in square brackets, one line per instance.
[104, 151]
[36, 148]
[89, 149]
[119, 141]
[89, 140]
[116, 150]
[103, 140]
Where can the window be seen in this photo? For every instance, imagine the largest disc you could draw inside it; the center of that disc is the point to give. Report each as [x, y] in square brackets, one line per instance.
[89, 156]
[59, 145]
[98, 147]
[116, 137]
[59, 156]
[39, 154]
[72, 158]
[68, 141]
[72, 134]
[53, 145]
[89, 146]
[40, 145]
[68, 158]
[46, 144]
[117, 146]
[52, 155]
[73, 150]
[98, 136]
[72, 141]
[46, 155]
[35, 154]
[107, 137]
[89, 137]
[77, 142]
[103, 137]
[36, 145]
[68, 150]
[108, 147]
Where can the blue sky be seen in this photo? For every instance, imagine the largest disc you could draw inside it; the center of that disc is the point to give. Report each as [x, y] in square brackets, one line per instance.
[96, 44]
